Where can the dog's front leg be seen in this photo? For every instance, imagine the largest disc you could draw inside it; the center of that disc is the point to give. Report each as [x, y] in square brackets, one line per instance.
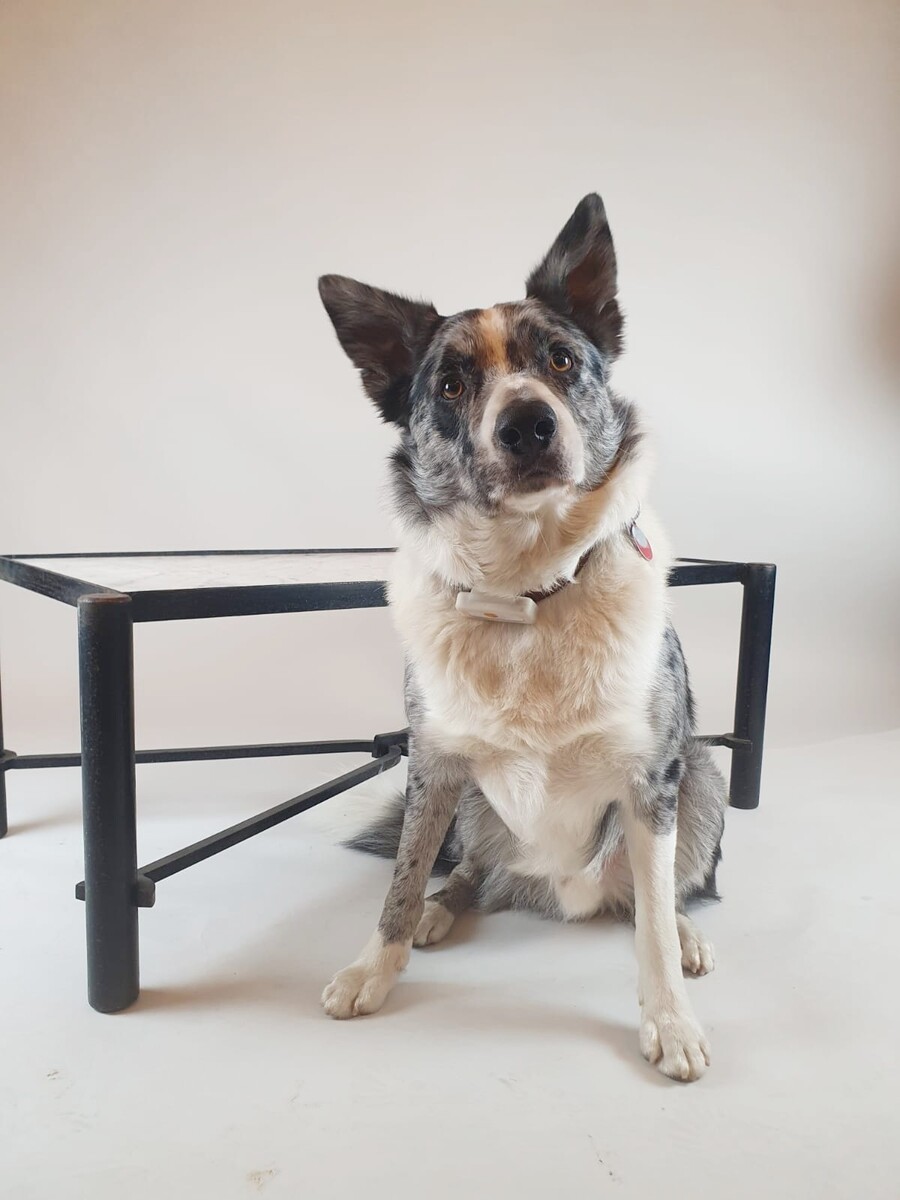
[670, 1035]
[432, 794]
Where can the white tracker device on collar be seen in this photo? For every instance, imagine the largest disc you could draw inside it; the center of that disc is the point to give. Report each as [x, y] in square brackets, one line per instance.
[515, 610]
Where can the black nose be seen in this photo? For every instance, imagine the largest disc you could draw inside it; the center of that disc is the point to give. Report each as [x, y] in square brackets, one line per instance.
[526, 428]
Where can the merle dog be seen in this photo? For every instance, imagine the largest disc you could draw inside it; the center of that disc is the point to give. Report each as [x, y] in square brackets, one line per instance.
[551, 752]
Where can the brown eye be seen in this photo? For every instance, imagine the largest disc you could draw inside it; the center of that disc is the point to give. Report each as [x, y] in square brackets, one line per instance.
[561, 360]
[452, 388]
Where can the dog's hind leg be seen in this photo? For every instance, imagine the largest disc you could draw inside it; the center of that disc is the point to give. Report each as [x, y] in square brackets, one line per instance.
[697, 957]
[442, 909]
[434, 786]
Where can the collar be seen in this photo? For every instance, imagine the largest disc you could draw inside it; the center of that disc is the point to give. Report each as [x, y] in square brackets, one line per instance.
[522, 609]
[537, 597]
[636, 536]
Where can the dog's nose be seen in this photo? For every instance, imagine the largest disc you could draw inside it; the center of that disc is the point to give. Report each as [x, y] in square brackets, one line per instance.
[526, 428]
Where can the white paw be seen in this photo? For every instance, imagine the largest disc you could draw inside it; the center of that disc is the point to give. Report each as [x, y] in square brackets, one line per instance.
[435, 924]
[675, 1042]
[697, 955]
[364, 986]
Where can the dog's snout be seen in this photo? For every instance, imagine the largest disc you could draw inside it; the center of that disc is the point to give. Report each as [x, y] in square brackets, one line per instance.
[526, 428]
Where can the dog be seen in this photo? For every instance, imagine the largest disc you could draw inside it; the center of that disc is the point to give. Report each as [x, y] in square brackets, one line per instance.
[552, 762]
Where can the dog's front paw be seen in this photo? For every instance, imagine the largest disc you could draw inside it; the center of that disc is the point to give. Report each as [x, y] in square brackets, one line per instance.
[356, 991]
[675, 1043]
[364, 986]
[435, 924]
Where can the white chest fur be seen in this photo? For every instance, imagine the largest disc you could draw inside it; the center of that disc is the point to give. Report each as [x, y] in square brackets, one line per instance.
[551, 803]
[550, 715]
[584, 666]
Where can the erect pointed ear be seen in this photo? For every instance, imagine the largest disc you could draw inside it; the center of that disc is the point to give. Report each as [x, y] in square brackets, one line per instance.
[384, 335]
[578, 276]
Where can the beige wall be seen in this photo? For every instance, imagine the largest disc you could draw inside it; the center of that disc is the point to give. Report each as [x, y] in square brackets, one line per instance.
[176, 174]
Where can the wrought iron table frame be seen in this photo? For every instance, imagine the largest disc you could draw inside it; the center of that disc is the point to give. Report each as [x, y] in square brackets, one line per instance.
[114, 886]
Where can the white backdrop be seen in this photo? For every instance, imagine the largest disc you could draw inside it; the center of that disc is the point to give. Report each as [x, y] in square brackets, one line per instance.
[176, 175]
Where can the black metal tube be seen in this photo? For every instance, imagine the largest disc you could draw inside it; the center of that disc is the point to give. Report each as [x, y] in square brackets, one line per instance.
[25, 762]
[687, 574]
[106, 677]
[752, 684]
[728, 740]
[4, 825]
[189, 856]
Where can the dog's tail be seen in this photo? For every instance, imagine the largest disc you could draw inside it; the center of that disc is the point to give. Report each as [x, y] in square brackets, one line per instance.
[382, 837]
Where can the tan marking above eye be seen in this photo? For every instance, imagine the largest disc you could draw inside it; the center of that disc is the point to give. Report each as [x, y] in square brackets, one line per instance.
[561, 360]
[452, 388]
[492, 334]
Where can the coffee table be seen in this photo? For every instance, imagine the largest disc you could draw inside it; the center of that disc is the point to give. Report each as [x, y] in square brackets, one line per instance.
[113, 592]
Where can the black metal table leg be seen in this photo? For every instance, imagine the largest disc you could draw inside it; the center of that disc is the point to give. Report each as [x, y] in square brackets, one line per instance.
[106, 674]
[752, 683]
[4, 826]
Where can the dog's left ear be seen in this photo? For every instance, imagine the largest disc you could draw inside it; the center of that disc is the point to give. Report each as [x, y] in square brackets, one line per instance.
[578, 276]
[384, 336]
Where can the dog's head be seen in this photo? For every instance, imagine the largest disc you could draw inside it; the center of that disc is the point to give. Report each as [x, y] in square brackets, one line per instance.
[503, 407]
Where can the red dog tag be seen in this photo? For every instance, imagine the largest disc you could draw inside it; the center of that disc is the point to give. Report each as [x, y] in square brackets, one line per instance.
[637, 535]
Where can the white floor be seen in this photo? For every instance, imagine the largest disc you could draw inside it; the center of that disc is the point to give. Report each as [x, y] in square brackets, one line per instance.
[505, 1064]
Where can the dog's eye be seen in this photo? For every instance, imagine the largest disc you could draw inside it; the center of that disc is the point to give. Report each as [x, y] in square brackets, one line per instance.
[561, 360]
[452, 387]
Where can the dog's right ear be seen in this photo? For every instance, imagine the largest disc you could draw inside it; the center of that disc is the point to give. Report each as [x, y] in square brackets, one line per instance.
[384, 336]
